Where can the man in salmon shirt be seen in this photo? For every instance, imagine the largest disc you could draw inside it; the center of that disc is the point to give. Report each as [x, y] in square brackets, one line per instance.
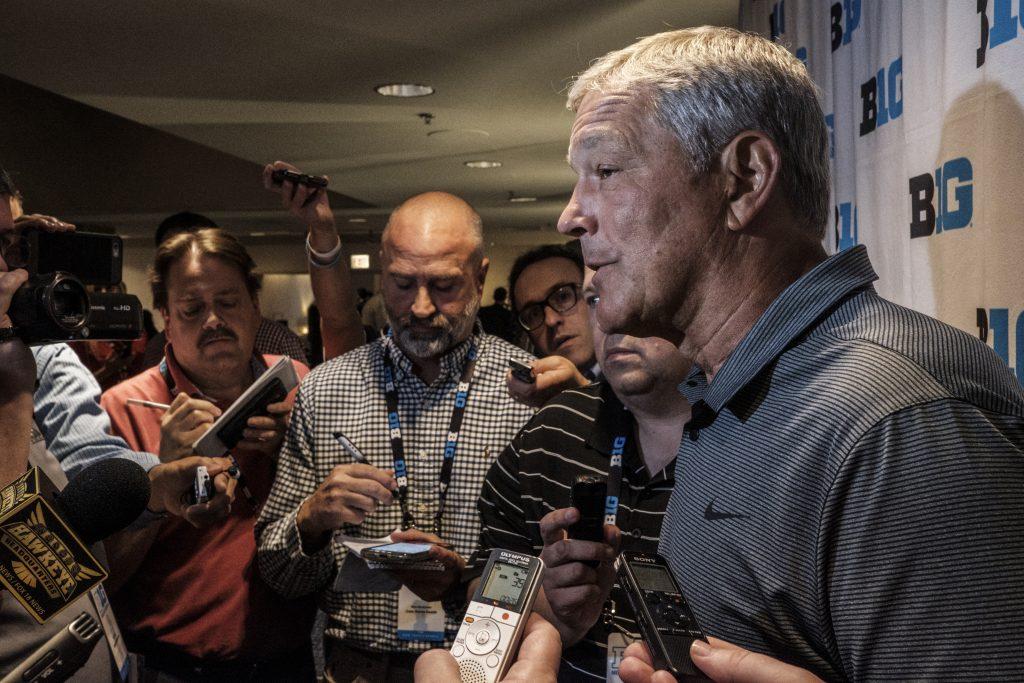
[191, 600]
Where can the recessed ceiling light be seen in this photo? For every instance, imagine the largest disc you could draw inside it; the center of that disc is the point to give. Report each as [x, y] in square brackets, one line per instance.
[522, 200]
[356, 220]
[404, 90]
[257, 234]
[482, 163]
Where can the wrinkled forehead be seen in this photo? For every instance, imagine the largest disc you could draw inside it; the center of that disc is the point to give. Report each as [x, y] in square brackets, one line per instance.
[608, 118]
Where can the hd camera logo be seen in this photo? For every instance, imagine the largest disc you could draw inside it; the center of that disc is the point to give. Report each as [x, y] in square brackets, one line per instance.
[944, 201]
[1003, 27]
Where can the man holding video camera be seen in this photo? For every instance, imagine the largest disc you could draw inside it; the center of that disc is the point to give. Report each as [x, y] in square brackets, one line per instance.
[49, 388]
[231, 626]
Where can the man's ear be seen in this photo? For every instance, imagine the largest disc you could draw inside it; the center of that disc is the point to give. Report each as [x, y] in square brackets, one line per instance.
[750, 165]
[482, 274]
[166, 315]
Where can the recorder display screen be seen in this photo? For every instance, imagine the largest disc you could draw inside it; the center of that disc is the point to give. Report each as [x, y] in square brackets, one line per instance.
[653, 578]
[505, 583]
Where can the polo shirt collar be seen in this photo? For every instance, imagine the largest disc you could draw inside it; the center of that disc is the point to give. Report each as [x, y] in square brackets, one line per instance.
[794, 311]
[613, 420]
[452, 362]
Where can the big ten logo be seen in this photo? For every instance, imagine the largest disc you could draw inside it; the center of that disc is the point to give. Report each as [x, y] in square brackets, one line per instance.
[1001, 29]
[995, 323]
[777, 20]
[882, 97]
[846, 226]
[845, 20]
[927, 216]
[830, 121]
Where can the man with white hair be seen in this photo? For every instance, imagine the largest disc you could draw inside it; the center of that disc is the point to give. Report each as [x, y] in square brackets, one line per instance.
[397, 434]
[849, 489]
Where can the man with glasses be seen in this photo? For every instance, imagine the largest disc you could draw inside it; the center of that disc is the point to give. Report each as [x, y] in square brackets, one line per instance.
[545, 283]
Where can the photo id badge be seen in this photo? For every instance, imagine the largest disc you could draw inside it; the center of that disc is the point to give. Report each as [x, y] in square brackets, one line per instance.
[418, 619]
[617, 644]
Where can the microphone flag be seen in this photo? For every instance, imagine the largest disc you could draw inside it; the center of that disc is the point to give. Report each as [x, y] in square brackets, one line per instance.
[43, 564]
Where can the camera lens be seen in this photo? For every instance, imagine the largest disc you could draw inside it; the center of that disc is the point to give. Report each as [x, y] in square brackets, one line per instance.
[68, 302]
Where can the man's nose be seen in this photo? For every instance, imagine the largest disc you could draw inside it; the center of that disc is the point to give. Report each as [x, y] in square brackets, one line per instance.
[212, 319]
[552, 318]
[423, 305]
[575, 221]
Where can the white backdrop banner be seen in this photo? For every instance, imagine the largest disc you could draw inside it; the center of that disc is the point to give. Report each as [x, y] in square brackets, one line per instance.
[925, 103]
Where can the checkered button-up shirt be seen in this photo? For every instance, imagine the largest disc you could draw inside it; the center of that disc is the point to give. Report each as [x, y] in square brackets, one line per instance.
[346, 396]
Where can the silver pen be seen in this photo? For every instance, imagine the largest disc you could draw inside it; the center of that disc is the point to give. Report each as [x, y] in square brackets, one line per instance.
[351, 449]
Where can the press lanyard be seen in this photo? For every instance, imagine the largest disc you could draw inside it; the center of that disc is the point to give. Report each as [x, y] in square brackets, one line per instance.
[398, 446]
[614, 490]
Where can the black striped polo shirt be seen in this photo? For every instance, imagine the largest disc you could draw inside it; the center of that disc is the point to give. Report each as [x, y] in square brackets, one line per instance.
[571, 435]
[850, 492]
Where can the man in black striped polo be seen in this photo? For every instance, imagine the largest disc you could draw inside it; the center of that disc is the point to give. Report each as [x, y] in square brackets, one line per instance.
[849, 494]
[525, 501]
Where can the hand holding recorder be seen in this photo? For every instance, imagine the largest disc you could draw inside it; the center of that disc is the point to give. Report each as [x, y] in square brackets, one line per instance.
[536, 384]
[579, 574]
[304, 197]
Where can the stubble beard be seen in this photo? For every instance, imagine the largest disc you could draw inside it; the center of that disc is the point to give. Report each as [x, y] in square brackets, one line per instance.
[445, 334]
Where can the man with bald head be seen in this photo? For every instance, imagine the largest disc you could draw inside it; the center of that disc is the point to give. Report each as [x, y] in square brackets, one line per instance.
[395, 437]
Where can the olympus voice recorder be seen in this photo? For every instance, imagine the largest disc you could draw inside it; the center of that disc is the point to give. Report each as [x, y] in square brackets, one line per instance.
[489, 636]
[662, 614]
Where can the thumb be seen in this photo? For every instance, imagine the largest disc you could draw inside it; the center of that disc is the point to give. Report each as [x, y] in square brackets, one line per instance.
[436, 666]
[728, 663]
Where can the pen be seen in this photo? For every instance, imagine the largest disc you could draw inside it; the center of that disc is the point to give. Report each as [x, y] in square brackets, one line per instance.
[147, 404]
[351, 448]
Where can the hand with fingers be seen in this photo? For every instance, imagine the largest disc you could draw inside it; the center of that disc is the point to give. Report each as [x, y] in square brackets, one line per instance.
[554, 374]
[309, 204]
[578, 575]
[185, 421]
[347, 496]
[430, 585]
[719, 660]
[536, 662]
[171, 481]
[264, 433]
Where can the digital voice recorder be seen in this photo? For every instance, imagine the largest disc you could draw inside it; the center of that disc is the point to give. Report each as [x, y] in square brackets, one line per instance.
[662, 615]
[489, 636]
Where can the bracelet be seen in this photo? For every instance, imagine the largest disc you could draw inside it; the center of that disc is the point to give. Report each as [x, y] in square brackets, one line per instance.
[323, 260]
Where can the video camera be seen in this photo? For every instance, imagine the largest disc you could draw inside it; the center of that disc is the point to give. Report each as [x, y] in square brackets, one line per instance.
[54, 304]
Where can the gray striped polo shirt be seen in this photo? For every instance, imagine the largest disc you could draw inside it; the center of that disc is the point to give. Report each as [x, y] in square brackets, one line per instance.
[850, 491]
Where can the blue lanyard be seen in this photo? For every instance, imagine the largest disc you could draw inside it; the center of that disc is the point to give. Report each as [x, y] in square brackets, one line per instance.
[611, 501]
[398, 445]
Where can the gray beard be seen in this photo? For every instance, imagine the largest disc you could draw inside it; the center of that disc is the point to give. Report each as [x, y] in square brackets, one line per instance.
[446, 335]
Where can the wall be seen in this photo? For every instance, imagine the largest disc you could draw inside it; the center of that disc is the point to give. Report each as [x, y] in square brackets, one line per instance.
[925, 104]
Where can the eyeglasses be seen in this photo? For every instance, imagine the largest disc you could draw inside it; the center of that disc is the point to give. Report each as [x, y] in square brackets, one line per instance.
[562, 300]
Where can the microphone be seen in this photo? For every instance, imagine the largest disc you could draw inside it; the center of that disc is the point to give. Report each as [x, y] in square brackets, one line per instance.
[62, 655]
[45, 561]
[104, 498]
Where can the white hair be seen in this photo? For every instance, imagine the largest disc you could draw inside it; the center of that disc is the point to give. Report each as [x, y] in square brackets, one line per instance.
[709, 84]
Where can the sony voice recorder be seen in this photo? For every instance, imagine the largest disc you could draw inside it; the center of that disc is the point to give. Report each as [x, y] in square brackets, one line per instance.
[489, 636]
[664, 618]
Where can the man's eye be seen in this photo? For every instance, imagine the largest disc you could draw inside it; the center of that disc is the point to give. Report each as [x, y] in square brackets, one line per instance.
[592, 300]
[229, 303]
[191, 311]
[444, 288]
[402, 285]
[605, 172]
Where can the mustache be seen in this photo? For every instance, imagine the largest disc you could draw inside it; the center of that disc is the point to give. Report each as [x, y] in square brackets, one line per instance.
[217, 333]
